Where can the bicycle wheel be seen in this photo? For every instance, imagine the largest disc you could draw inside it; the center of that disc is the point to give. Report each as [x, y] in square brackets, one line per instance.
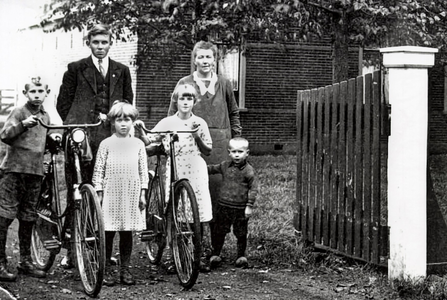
[44, 231]
[185, 231]
[42, 257]
[155, 220]
[89, 241]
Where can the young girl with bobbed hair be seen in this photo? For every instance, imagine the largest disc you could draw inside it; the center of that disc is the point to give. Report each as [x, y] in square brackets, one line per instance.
[188, 151]
[121, 178]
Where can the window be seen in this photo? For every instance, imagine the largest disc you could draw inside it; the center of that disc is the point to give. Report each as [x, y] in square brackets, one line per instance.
[231, 64]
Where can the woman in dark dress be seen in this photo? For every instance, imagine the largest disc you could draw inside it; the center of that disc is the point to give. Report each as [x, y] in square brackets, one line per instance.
[217, 106]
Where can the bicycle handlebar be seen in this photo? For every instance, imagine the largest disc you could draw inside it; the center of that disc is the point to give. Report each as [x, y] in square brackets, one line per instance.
[68, 126]
[167, 131]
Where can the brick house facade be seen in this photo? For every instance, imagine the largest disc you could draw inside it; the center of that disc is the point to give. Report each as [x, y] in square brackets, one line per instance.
[273, 74]
[437, 96]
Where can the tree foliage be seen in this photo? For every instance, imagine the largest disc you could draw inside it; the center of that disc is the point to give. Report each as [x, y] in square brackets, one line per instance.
[180, 23]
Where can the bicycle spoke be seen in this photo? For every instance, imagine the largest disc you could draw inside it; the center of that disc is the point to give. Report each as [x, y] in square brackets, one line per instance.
[155, 236]
[89, 239]
[186, 250]
[186, 239]
[45, 242]
[90, 245]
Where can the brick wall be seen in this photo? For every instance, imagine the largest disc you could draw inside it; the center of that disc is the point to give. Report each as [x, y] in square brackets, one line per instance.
[273, 76]
[437, 134]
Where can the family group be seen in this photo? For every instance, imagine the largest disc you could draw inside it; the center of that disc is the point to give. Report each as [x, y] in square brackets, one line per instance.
[213, 158]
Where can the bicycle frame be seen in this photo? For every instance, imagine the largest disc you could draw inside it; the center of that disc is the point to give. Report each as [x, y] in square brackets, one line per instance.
[175, 220]
[173, 137]
[87, 235]
[173, 174]
[76, 151]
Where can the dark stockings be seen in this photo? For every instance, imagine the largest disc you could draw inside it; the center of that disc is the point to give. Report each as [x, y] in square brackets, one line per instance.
[241, 245]
[218, 242]
[4, 225]
[25, 231]
[126, 241]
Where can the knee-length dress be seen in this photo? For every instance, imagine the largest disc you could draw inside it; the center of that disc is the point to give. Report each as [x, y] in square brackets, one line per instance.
[190, 163]
[121, 172]
[221, 112]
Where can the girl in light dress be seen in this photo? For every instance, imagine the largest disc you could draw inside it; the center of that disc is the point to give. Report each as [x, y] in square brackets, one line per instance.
[188, 151]
[121, 178]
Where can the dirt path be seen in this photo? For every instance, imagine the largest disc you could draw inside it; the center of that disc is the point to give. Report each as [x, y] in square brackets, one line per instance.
[226, 282]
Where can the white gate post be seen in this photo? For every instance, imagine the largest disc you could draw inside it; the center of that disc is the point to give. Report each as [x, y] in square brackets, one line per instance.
[407, 159]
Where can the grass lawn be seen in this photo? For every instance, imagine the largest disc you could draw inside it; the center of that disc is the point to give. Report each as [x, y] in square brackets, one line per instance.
[271, 230]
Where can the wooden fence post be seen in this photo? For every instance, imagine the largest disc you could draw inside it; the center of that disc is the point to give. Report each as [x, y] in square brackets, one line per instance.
[407, 159]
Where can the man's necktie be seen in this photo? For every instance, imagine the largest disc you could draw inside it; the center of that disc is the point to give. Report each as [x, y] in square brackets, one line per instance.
[101, 68]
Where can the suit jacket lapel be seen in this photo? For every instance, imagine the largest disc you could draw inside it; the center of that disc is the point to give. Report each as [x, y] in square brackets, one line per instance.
[89, 73]
[115, 74]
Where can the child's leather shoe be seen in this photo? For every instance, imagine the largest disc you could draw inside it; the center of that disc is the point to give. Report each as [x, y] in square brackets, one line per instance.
[215, 261]
[108, 280]
[5, 275]
[28, 268]
[242, 262]
[127, 277]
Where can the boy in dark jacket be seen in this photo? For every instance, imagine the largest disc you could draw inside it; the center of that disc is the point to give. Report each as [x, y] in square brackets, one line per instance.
[23, 171]
[236, 199]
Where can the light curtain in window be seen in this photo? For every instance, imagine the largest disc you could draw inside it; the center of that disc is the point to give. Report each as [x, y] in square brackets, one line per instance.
[228, 66]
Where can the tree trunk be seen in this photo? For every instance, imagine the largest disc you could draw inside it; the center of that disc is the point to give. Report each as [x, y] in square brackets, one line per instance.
[340, 51]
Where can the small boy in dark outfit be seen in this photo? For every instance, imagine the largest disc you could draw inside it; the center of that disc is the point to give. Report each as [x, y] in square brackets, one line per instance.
[236, 199]
[23, 170]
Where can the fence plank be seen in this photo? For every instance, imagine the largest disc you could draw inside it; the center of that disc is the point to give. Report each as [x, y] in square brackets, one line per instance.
[358, 167]
[376, 163]
[305, 169]
[299, 157]
[318, 165]
[350, 166]
[367, 174]
[334, 174]
[311, 158]
[342, 169]
[326, 195]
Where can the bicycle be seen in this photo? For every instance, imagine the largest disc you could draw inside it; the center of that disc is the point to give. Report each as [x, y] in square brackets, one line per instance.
[175, 219]
[86, 232]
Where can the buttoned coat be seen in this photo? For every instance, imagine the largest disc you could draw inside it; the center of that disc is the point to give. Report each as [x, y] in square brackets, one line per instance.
[76, 99]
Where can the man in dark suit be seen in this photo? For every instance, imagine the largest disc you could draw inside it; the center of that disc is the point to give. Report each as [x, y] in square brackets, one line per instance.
[89, 88]
[91, 85]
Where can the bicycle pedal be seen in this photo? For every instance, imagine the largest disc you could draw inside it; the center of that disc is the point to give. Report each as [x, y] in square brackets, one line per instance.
[51, 244]
[45, 212]
[46, 218]
[147, 235]
[185, 233]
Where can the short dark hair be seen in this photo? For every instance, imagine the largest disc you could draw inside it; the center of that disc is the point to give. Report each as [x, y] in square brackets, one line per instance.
[36, 82]
[204, 46]
[99, 29]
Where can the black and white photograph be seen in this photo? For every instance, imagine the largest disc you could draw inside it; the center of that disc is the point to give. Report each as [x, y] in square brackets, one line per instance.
[227, 149]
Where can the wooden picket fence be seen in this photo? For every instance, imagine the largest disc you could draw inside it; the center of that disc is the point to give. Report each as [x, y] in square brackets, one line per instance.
[342, 141]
